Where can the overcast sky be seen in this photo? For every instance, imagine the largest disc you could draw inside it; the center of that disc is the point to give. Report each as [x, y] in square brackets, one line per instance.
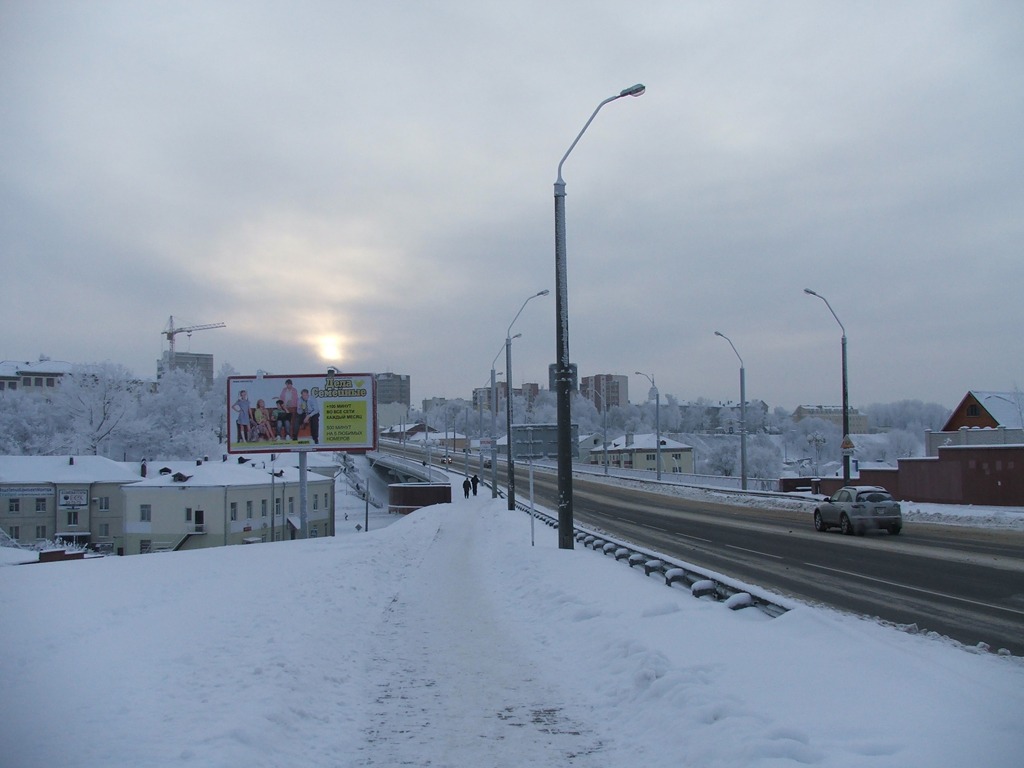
[370, 185]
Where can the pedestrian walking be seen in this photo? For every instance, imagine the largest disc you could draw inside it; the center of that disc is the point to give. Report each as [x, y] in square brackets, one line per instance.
[476, 481]
[466, 485]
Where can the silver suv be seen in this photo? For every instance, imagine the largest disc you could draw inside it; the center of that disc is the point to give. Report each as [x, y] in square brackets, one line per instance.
[855, 508]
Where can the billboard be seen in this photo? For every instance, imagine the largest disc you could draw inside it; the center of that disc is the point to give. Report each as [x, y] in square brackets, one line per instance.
[320, 412]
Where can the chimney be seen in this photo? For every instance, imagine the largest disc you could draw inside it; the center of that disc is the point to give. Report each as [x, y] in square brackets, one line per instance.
[144, 468]
[629, 439]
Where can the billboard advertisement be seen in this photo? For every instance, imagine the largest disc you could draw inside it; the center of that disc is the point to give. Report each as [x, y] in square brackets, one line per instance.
[320, 412]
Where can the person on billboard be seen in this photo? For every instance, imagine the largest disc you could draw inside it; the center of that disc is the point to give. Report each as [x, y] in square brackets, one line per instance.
[260, 428]
[242, 407]
[282, 421]
[309, 413]
[290, 396]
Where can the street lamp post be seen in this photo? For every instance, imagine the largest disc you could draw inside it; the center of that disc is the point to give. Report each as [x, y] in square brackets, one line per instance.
[847, 444]
[494, 426]
[510, 466]
[563, 369]
[657, 417]
[743, 414]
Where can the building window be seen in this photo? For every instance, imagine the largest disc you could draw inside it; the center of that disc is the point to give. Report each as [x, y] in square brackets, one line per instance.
[39, 381]
[145, 546]
[263, 507]
[291, 505]
[188, 514]
[313, 532]
[145, 513]
[326, 497]
[72, 517]
[248, 510]
[26, 381]
[104, 529]
[50, 382]
[104, 503]
[277, 507]
[14, 531]
[234, 510]
[40, 505]
[40, 531]
[973, 410]
[14, 506]
[316, 502]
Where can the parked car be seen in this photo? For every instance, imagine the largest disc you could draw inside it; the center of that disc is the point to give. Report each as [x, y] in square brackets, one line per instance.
[856, 508]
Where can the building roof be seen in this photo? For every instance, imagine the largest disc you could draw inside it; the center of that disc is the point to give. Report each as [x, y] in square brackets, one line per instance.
[648, 442]
[10, 369]
[65, 470]
[1004, 407]
[217, 474]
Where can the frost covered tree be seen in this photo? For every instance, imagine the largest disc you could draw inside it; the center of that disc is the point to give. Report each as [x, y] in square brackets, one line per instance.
[171, 422]
[764, 461]
[723, 459]
[93, 403]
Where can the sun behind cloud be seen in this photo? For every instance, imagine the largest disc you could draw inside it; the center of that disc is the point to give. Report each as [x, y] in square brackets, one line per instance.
[329, 348]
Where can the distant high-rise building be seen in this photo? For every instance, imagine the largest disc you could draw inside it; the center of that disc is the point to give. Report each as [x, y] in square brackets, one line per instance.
[605, 388]
[199, 364]
[394, 388]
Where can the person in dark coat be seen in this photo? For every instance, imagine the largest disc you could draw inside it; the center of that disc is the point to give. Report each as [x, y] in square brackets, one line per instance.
[466, 485]
[476, 481]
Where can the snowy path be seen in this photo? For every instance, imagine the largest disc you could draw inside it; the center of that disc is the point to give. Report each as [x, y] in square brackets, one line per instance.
[448, 687]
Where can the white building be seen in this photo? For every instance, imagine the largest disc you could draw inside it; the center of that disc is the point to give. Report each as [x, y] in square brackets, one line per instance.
[641, 452]
[74, 498]
[136, 508]
[194, 505]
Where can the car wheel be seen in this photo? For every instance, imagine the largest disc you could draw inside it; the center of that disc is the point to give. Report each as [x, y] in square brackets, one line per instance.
[895, 530]
[819, 524]
[845, 526]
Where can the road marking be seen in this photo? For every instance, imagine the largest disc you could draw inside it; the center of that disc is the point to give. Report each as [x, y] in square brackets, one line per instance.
[692, 538]
[755, 552]
[918, 589]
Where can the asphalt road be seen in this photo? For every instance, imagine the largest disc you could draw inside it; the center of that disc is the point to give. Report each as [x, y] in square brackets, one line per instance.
[965, 583]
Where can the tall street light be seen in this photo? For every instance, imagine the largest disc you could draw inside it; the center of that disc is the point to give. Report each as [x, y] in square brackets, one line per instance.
[847, 443]
[563, 368]
[510, 466]
[494, 425]
[657, 415]
[743, 414]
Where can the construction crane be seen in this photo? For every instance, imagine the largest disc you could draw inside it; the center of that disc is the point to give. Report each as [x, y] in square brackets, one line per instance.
[170, 332]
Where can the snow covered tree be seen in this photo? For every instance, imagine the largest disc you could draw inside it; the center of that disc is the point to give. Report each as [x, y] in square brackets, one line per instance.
[171, 421]
[723, 459]
[93, 403]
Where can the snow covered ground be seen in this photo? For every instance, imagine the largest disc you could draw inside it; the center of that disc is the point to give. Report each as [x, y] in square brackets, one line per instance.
[445, 639]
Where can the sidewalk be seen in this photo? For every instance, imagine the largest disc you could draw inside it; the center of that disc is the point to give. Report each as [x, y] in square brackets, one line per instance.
[446, 684]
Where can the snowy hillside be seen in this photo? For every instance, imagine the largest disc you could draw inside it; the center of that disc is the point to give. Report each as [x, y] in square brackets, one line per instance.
[445, 639]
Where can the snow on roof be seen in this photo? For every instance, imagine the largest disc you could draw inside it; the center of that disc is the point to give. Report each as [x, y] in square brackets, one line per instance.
[216, 474]
[65, 469]
[12, 368]
[1005, 407]
[648, 442]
